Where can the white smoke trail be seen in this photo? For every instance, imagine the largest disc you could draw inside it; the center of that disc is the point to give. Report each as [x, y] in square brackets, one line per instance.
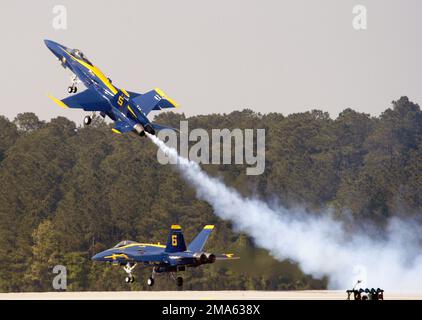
[317, 243]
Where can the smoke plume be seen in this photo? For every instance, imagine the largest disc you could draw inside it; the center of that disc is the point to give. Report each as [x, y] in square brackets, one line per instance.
[318, 243]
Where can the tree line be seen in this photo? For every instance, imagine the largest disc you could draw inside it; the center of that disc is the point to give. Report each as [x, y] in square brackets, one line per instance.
[68, 192]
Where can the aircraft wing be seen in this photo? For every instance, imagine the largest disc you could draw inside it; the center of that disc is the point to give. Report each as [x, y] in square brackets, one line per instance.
[153, 100]
[88, 100]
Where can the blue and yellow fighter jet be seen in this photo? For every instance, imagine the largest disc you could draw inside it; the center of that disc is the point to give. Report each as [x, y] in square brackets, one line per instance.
[129, 110]
[171, 258]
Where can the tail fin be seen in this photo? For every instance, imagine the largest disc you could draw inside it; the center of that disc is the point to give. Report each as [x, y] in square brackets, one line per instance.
[175, 241]
[199, 242]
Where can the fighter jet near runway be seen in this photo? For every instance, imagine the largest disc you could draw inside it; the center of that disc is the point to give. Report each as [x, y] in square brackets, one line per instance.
[129, 110]
[173, 257]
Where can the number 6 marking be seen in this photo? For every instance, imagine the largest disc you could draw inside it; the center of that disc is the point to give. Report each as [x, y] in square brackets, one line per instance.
[174, 240]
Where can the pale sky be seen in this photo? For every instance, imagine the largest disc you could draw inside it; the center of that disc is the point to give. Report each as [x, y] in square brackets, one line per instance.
[219, 55]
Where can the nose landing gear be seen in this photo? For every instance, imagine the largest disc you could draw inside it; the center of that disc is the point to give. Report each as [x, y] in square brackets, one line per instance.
[128, 269]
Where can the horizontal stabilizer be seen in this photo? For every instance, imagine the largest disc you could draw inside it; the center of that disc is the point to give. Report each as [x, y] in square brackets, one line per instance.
[153, 100]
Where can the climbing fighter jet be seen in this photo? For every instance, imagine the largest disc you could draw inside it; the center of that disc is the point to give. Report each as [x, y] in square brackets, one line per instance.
[128, 110]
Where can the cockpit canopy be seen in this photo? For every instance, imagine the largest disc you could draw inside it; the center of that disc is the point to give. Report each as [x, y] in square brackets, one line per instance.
[124, 243]
[78, 54]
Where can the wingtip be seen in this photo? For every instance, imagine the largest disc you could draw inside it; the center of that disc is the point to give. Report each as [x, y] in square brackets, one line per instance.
[59, 102]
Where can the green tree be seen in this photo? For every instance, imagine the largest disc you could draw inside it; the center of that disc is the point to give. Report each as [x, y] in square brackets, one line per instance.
[27, 122]
[45, 255]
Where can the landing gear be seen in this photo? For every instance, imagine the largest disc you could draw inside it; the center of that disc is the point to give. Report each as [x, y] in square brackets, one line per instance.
[172, 274]
[179, 280]
[128, 269]
[150, 281]
[72, 89]
[87, 120]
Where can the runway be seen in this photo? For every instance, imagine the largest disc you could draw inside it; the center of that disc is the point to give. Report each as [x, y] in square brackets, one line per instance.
[198, 295]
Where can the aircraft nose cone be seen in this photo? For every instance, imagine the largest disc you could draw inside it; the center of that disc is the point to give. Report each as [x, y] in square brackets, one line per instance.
[50, 44]
[47, 42]
[54, 47]
[97, 257]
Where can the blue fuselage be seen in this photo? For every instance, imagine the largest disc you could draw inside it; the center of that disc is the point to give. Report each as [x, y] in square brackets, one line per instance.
[150, 254]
